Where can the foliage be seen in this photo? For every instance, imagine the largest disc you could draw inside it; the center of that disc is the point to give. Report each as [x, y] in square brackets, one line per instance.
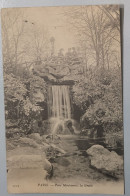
[106, 108]
[38, 89]
[93, 67]
[114, 139]
[29, 107]
[14, 88]
[19, 104]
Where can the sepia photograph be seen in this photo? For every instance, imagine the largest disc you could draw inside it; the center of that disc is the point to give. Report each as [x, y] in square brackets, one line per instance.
[62, 70]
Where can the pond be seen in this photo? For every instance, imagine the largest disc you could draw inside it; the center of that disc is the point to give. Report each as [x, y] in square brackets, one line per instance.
[84, 143]
[75, 164]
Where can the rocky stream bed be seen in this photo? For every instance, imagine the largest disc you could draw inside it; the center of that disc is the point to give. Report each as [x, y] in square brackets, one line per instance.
[61, 159]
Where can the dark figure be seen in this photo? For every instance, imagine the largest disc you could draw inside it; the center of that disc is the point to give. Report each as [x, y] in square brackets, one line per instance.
[29, 132]
[99, 130]
[71, 129]
[50, 173]
[92, 133]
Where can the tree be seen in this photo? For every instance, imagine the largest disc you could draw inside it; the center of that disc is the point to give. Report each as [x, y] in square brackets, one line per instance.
[22, 41]
[37, 44]
[12, 33]
[112, 12]
[96, 36]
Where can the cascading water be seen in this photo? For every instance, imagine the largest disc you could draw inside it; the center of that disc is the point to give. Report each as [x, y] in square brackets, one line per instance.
[59, 106]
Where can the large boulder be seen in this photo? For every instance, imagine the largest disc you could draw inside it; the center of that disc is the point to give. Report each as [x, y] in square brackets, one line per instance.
[30, 162]
[105, 161]
[25, 141]
[53, 151]
[36, 137]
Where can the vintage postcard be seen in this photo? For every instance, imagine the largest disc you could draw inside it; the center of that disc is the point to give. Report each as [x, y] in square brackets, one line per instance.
[63, 99]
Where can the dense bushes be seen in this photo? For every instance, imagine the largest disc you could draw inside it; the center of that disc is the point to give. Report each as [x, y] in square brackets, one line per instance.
[96, 97]
[102, 93]
[21, 100]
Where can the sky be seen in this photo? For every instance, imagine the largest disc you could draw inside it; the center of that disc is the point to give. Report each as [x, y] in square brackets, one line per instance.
[54, 20]
[51, 18]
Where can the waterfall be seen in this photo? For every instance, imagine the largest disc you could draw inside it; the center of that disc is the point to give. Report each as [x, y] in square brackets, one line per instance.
[59, 104]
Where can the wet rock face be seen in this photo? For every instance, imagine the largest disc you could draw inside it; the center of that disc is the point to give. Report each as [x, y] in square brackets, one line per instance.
[105, 161]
